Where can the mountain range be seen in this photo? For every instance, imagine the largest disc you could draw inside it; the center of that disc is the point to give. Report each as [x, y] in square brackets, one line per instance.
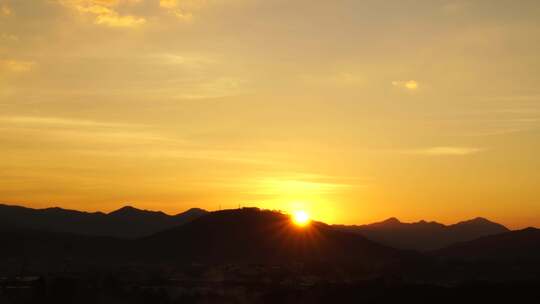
[261, 236]
[241, 236]
[126, 222]
[519, 245]
[423, 235]
[244, 236]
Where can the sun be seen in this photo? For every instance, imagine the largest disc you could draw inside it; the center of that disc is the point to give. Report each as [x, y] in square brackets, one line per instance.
[300, 218]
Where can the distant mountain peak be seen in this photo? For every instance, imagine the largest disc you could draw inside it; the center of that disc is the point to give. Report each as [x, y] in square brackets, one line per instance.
[480, 221]
[392, 220]
[132, 211]
[388, 223]
[425, 235]
[195, 210]
[429, 223]
[129, 208]
[125, 209]
[128, 221]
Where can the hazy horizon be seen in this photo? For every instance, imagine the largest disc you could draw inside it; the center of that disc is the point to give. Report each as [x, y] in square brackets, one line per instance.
[355, 111]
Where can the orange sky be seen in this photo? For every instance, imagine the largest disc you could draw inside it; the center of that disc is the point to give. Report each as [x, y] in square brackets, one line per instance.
[352, 110]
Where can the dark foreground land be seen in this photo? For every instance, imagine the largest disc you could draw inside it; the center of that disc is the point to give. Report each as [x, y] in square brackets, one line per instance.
[254, 256]
[116, 288]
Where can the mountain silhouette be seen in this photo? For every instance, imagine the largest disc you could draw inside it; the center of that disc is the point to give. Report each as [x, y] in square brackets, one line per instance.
[256, 236]
[510, 246]
[422, 235]
[128, 222]
[231, 236]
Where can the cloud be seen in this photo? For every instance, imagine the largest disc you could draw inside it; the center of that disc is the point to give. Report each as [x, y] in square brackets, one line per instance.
[114, 20]
[55, 121]
[105, 12]
[445, 151]
[299, 185]
[116, 139]
[168, 3]
[411, 85]
[9, 38]
[182, 10]
[16, 65]
[183, 60]
[5, 10]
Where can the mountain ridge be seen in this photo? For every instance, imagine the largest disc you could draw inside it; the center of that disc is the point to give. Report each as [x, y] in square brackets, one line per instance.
[131, 222]
[264, 236]
[424, 235]
[127, 221]
[241, 236]
[521, 244]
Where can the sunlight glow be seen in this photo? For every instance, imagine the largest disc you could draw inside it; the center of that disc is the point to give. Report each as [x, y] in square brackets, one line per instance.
[300, 218]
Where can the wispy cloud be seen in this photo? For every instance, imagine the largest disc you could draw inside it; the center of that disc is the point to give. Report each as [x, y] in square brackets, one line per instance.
[5, 10]
[115, 20]
[183, 60]
[410, 85]
[300, 184]
[116, 139]
[445, 151]
[182, 9]
[9, 38]
[55, 121]
[105, 12]
[16, 65]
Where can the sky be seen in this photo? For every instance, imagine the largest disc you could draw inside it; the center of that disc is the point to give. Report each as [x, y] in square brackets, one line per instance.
[353, 110]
